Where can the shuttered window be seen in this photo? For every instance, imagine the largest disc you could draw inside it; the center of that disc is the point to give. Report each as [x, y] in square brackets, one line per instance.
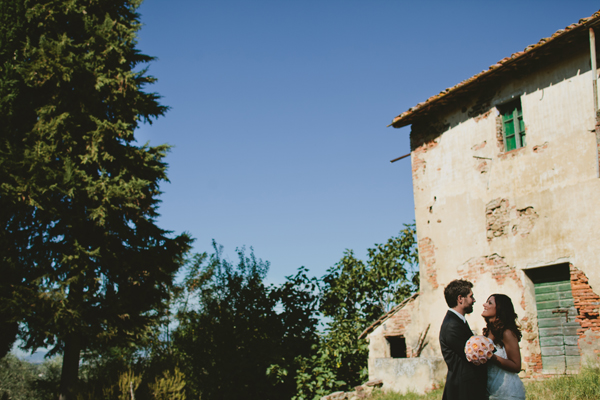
[513, 125]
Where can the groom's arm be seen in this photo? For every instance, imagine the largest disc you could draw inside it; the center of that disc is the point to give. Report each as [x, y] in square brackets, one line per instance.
[453, 342]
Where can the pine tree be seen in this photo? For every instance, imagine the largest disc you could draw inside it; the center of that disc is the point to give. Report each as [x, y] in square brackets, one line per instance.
[83, 263]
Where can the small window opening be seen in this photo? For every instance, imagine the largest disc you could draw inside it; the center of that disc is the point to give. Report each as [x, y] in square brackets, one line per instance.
[513, 125]
[397, 346]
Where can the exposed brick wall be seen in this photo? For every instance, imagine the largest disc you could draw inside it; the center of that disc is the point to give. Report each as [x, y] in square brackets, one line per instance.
[423, 133]
[526, 218]
[587, 302]
[398, 324]
[423, 138]
[483, 116]
[511, 154]
[499, 216]
[495, 264]
[501, 271]
[427, 256]
[499, 134]
[533, 365]
[481, 108]
[418, 164]
[503, 155]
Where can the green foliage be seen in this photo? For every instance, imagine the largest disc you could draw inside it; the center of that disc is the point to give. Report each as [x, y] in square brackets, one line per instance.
[354, 294]
[433, 395]
[128, 384]
[338, 362]
[169, 386]
[17, 378]
[237, 337]
[112, 375]
[21, 380]
[354, 289]
[48, 380]
[83, 263]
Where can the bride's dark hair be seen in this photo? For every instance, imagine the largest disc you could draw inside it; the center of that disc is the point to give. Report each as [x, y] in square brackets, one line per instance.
[506, 318]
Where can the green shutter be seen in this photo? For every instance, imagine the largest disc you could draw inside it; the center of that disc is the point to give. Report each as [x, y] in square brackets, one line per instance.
[514, 127]
[521, 128]
[509, 131]
[557, 327]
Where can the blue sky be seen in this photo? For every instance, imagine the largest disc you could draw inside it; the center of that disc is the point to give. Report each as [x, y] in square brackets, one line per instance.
[279, 111]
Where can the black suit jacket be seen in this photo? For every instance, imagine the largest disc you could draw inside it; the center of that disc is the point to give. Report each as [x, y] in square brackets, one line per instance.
[464, 381]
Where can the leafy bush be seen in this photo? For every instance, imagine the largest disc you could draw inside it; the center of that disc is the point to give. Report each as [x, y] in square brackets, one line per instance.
[22, 380]
[355, 293]
[169, 386]
[17, 378]
[238, 337]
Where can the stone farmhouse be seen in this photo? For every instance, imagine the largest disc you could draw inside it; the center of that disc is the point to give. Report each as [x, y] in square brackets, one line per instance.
[506, 181]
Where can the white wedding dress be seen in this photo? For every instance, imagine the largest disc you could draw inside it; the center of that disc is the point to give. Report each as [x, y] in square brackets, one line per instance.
[502, 384]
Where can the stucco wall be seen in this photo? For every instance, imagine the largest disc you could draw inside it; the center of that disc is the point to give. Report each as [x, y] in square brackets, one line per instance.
[417, 375]
[488, 215]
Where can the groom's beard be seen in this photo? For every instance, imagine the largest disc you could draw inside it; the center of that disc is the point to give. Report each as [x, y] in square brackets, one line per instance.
[469, 309]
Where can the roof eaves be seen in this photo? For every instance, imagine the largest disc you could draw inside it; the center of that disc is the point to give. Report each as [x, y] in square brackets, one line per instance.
[387, 316]
[406, 117]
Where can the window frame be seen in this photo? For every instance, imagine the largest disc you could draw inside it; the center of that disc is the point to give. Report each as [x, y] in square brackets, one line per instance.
[397, 346]
[509, 113]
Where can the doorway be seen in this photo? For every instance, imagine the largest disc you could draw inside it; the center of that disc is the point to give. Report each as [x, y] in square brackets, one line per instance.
[557, 324]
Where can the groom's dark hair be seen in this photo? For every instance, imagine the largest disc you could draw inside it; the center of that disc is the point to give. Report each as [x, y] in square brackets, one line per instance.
[458, 287]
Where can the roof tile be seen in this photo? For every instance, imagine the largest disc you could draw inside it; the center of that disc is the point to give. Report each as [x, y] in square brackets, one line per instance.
[500, 64]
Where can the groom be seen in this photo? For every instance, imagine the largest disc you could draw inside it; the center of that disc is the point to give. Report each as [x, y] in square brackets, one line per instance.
[464, 381]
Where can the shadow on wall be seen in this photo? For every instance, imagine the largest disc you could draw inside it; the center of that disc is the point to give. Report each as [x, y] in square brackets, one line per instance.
[485, 92]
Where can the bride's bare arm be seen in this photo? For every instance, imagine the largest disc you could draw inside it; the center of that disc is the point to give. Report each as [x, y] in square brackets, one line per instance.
[513, 361]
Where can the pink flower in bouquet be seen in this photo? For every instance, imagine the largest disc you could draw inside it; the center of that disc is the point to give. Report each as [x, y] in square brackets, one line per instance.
[479, 349]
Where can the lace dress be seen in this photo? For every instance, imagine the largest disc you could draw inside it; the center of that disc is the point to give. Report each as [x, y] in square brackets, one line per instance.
[502, 384]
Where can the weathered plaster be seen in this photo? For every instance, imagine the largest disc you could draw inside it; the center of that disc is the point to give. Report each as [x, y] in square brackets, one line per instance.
[418, 375]
[488, 215]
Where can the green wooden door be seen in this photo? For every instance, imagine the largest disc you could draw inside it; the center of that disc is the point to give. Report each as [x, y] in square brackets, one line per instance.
[557, 327]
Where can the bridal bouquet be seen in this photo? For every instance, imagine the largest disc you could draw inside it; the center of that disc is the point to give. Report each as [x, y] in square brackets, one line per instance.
[479, 349]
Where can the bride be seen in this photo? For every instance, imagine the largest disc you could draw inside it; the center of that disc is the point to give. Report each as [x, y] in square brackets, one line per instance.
[503, 383]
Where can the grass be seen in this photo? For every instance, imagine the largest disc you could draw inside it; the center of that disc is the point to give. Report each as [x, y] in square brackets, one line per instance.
[583, 386]
[433, 395]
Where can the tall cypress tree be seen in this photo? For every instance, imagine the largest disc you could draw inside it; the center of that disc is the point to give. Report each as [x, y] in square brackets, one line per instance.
[83, 263]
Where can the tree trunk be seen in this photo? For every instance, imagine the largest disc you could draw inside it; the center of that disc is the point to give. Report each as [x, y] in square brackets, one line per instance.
[70, 368]
[8, 336]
